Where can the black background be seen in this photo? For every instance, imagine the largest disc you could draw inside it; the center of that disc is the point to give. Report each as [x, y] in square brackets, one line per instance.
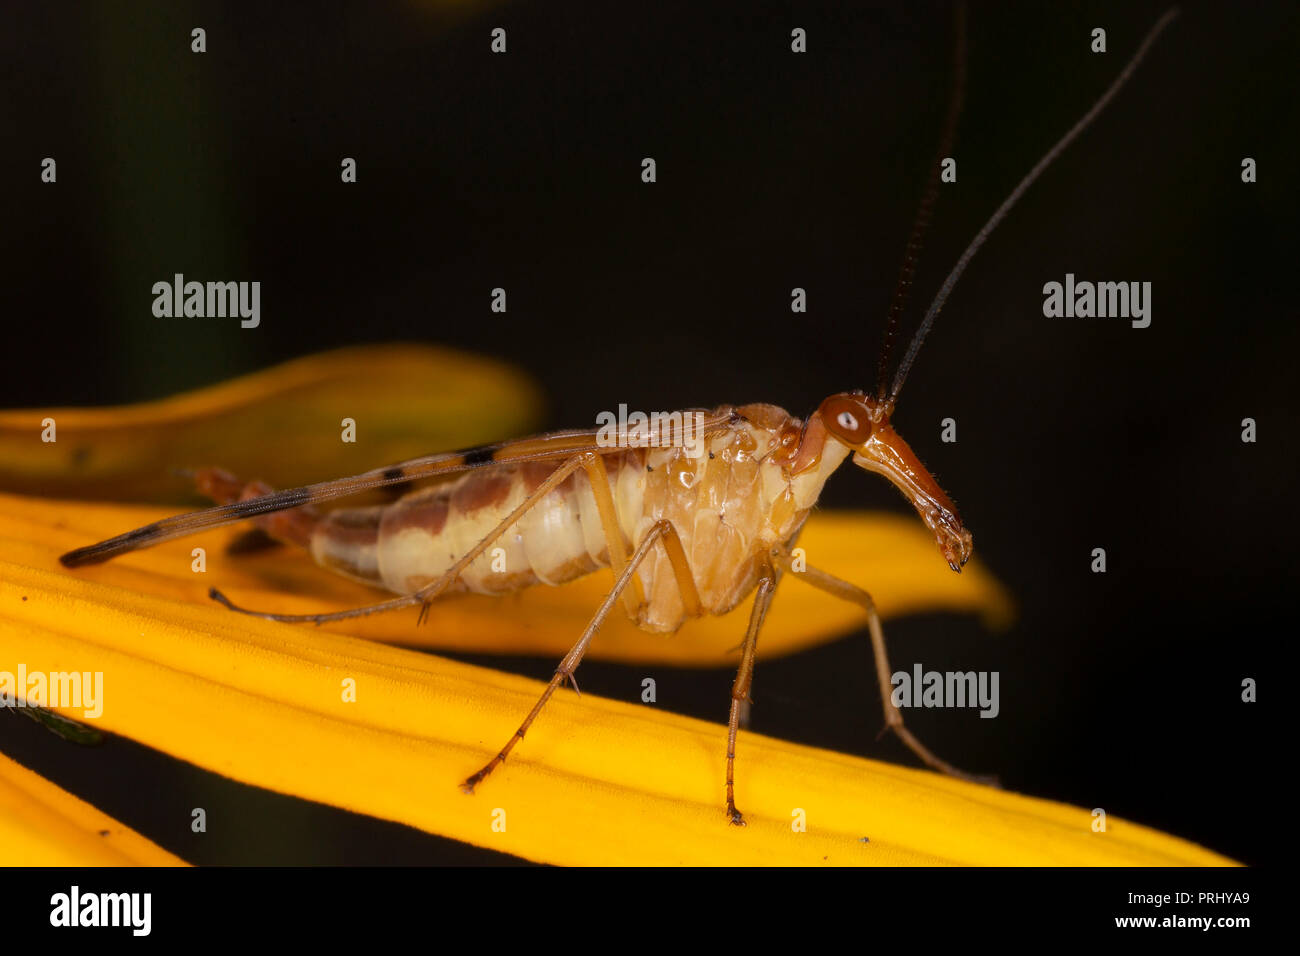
[775, 170]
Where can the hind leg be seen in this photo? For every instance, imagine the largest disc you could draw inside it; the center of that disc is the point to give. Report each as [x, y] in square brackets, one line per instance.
[293, 526]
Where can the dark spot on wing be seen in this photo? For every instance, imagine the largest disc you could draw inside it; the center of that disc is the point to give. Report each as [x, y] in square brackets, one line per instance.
[276, 501]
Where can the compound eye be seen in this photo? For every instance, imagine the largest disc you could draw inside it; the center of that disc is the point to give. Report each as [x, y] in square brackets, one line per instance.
[847, 419]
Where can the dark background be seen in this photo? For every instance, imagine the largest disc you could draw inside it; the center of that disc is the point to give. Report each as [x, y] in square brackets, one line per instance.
[775, 170]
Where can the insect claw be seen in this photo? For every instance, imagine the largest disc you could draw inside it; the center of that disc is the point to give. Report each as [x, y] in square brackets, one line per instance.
[573, 680]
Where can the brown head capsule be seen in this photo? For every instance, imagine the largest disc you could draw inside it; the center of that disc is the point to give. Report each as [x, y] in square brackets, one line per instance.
[861, 423]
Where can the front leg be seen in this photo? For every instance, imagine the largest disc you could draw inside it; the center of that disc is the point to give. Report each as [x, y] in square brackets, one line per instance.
[893, 716]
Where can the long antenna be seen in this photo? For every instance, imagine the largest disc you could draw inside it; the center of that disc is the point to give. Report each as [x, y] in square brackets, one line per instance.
[905, 366]
[925, 212]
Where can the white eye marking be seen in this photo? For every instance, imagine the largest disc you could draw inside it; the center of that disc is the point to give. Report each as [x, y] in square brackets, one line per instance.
[846, 421]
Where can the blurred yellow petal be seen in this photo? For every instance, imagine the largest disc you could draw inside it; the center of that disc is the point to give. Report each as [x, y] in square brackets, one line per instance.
[597, 781]
[406, 400]
[42, 825]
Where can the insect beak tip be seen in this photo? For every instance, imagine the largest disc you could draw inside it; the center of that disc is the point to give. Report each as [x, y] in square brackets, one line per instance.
[955, 543]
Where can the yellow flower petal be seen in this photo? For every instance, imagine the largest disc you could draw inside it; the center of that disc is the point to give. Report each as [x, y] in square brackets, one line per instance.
[894, 557]
[596, 782]
[42, 825]
[406, 400]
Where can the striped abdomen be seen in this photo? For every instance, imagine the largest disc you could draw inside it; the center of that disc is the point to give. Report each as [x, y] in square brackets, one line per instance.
[728, 506]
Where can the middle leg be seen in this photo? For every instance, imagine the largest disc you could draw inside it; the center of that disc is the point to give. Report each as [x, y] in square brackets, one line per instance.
[745, 679]
[893, 716]
[571, 660]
